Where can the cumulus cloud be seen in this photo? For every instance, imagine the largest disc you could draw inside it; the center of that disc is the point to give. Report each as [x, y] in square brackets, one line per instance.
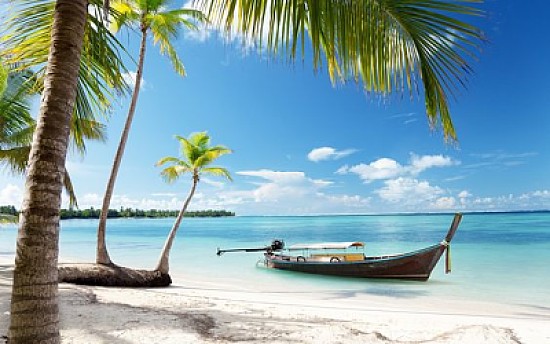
[386, 168]
[422, 163]
[282, 184]
[408, 191]
[328, 153]
[383, 168]
[286, 192]
[444, 203]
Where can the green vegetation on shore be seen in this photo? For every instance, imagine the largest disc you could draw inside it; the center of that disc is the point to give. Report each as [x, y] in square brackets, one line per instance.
[92, 213]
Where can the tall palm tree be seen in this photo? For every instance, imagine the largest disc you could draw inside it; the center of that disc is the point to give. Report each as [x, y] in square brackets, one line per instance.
[196, 157]
[34, 315]
[35, 318]
[149, 16]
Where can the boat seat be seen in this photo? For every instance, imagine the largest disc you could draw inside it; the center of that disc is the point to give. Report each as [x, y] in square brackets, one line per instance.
[353, 257]
[348, 257]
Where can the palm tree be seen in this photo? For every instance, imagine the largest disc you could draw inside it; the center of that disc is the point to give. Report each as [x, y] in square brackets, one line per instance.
[34, 315]
[148, 16]
[197, 155]
[35, 318]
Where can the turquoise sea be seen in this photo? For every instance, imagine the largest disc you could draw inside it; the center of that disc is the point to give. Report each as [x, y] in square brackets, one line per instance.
[500, 257]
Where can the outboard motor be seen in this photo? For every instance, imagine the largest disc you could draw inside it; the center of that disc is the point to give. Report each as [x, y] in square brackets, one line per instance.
[277, 245]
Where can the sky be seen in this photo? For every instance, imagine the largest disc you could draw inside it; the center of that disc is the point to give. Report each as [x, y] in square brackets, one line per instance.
[304, 147]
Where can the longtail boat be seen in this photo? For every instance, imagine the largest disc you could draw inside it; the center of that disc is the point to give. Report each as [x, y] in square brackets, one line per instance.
[336, 259]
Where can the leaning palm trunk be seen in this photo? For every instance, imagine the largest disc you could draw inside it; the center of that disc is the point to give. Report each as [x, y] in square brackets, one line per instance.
[34, 316]
[102, 256]
[163, 264]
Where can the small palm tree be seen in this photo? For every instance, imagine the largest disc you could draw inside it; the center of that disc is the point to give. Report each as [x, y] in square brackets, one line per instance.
[197, 155]
[147, 16]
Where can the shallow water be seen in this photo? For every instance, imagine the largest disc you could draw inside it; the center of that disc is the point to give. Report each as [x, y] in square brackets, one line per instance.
[502, 258]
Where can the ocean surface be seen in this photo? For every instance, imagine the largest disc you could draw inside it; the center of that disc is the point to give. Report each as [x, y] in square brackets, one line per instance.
[503, 258]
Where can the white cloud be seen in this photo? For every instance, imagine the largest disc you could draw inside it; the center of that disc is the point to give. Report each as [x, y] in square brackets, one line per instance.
[386, 168]
[11, 195]
[383, 168]
[464, 194]
[408, 191]
[202, 33]
[444, 203]
[422, 163]
[328, 153]
[130, 79]
[283, 185]
[214, 183]
[163, 194]
[294, 193]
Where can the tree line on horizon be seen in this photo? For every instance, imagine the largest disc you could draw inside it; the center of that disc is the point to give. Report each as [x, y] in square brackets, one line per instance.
[92, 213]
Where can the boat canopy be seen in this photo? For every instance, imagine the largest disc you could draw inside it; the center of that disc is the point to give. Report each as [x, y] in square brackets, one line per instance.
[326, 245]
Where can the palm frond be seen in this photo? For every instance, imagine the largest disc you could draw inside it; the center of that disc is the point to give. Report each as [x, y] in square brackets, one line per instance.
[200, 139]
[15, 158]
[126, 15]
[188, 149]
[69, 188]
[217, 171]
[27, 42]
[3, 78]
[14, 105]
[388, 46]
[172, 173]
[164, 29]
[166, 160]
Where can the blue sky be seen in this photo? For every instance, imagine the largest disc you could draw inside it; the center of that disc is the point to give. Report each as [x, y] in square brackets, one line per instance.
[302, 146]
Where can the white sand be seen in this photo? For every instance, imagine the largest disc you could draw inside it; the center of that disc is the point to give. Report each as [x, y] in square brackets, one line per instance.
[207, 312]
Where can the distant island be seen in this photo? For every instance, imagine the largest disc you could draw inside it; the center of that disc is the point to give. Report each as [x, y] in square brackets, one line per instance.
[92, 213]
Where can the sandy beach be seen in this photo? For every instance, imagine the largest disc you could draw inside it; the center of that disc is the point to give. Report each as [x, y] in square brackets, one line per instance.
[208, 312]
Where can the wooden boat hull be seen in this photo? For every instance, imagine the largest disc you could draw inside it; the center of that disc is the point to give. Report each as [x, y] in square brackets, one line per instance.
[417, 265]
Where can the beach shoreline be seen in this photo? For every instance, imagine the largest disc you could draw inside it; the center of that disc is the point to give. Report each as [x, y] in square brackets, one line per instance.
[205, 311]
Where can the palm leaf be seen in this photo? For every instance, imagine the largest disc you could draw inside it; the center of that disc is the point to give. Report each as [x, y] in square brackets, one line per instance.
[69, 188]
[27, 40]
[3, 78]
[388, 46]
[217, 171]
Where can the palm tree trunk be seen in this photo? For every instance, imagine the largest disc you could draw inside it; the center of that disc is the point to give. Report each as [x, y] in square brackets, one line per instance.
[34, 316]
[163, 265]
[102, 256]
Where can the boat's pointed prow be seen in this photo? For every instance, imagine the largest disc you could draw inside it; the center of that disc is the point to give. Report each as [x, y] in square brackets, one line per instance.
[453, 228]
